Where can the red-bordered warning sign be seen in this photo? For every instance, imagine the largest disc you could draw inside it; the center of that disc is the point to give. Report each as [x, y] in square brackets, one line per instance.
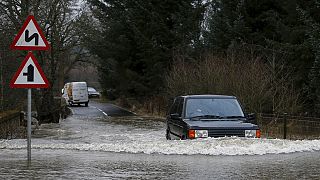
[30, 37]
[29, 75]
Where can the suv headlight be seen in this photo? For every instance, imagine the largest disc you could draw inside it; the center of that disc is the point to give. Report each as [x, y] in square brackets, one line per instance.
[201, 133]
[192, 134]
[252, 133]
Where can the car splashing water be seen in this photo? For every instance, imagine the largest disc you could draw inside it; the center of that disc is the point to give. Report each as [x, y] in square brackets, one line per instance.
[88, 145]
[146, 135]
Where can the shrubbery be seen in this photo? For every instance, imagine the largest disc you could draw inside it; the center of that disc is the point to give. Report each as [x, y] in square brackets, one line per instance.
[260, 86]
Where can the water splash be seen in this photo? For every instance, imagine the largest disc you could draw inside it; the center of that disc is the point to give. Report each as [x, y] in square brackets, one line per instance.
[209, 146]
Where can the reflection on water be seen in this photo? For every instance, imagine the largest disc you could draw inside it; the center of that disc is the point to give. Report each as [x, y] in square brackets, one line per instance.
[52, 164]
[84, 147]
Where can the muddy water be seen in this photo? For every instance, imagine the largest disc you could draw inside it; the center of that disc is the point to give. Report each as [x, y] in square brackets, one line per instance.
[90, 145]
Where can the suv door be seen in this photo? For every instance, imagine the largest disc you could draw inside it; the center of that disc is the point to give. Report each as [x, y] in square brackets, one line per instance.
[174, 120]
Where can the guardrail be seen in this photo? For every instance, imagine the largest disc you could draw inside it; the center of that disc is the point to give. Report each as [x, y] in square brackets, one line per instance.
[13, 124]
[10, 126]
[289, 126]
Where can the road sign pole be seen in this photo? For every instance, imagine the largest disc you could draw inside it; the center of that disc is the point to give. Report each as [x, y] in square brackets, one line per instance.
[29, 125]
[29, 75]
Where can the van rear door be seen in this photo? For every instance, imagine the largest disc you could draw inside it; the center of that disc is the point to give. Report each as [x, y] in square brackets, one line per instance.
[80, 93]
[83, 94]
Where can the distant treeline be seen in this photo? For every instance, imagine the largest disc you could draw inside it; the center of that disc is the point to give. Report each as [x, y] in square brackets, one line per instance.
[267, 52]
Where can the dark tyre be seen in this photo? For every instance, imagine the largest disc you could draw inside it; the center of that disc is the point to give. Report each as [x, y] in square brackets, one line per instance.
[86, 104]
[183, 137]
[168, 137]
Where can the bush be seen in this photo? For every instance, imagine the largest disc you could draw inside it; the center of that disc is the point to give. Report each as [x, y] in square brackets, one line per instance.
[260, 85]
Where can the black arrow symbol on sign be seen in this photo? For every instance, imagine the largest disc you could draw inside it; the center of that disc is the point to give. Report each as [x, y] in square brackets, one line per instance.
[30, 73]
[33, 36]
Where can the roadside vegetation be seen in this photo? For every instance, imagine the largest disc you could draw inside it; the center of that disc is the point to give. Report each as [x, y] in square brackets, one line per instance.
[59, 21]
[259, 84]
[267, 53]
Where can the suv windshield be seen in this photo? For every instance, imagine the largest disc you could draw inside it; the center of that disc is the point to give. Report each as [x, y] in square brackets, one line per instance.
[213, 108]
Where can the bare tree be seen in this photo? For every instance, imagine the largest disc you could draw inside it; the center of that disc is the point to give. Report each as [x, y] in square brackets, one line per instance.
[59, 19]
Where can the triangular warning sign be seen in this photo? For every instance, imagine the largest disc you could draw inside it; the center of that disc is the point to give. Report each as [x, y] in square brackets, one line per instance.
[29, 75]
[30, 37]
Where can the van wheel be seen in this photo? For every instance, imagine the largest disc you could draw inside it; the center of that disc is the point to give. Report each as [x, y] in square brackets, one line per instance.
[86, 104]
[168, 137]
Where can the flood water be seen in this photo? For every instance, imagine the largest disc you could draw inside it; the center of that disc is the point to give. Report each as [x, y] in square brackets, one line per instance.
[90, 145]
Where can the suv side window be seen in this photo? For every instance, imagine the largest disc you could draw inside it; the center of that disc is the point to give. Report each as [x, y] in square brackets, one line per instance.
[174, 107]
[180, 106]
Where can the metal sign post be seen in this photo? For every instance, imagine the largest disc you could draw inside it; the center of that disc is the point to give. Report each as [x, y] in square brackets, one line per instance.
[29, 125]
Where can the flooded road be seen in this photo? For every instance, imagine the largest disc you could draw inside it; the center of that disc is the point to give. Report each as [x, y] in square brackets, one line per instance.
[92, 145]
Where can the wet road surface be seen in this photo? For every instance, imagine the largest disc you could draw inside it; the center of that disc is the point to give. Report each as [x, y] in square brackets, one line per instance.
[92, 145]
[110, 109]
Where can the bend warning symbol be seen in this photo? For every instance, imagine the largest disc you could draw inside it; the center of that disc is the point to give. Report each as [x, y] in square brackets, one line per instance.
[30, 37]
[29, 75]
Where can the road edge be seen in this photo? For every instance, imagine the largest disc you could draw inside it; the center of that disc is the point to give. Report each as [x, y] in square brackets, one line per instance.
[123, 109]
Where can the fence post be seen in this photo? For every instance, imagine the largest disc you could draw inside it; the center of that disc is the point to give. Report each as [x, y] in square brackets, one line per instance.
[264, 125]
[284, 125]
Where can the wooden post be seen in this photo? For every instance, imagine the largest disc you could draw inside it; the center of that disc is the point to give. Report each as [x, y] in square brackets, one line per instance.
[1, 81]
[284, 125]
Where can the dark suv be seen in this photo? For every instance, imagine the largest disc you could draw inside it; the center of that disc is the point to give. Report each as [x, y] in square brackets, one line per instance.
[201, 116]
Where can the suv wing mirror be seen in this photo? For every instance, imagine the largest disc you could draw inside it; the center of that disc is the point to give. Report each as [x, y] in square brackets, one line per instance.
[251, 117]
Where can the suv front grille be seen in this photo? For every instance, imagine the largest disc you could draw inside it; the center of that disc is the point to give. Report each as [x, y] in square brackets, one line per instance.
[225, 132]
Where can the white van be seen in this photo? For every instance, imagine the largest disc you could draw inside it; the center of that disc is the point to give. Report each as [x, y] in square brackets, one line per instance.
[76, 93]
